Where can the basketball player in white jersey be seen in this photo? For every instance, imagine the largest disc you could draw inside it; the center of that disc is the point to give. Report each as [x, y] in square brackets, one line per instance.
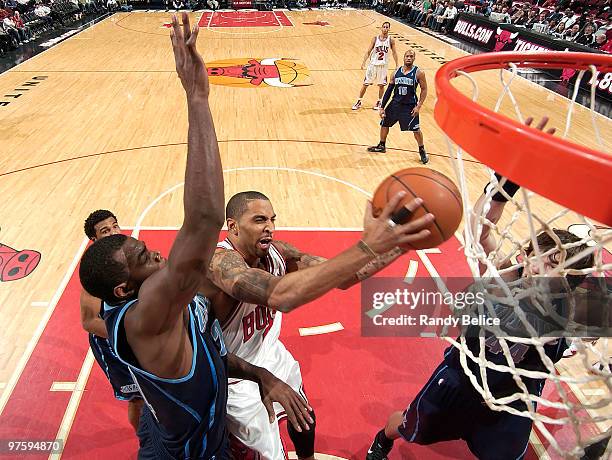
[258, 278]
[378, 67]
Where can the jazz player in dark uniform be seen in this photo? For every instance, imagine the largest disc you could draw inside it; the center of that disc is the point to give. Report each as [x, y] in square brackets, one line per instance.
[448, 407]
[405, 105]
[99, 224]
[158, 323]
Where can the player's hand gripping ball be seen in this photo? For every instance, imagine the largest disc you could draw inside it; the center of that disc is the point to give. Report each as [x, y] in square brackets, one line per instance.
[440, 197]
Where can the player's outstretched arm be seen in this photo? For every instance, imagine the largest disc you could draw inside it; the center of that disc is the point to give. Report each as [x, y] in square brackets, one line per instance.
[169, 290]
[90, 318]
[285, 293]
[496, 207]
[272, 390]
[298, 260]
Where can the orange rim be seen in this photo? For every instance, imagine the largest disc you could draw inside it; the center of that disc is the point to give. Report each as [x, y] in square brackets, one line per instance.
[572, 175]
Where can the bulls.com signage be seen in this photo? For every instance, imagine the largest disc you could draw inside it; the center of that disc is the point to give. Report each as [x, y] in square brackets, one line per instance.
[491, 36]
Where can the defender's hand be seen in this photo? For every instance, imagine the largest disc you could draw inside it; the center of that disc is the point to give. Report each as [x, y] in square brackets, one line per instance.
[541, 125]
[273, 390]
[382, 234]
[190, 66]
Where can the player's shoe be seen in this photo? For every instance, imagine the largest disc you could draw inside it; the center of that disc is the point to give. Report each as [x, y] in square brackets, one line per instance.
[377, 106]
[357, 105]
[424, 156]
[377, 452]
[380, 148]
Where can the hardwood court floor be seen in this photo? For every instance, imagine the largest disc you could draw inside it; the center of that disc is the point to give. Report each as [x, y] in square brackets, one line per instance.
[101, 123]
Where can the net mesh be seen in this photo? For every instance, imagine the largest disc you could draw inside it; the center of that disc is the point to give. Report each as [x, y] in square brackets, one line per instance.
[577, 393]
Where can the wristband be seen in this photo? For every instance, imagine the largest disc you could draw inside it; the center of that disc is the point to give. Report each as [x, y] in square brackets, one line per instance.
[509, 187]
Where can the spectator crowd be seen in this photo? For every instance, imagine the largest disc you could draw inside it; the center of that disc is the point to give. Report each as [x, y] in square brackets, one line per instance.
[22, 21]
[586, 22]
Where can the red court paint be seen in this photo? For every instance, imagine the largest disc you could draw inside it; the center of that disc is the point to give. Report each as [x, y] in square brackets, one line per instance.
[353, 382]
[245, 19]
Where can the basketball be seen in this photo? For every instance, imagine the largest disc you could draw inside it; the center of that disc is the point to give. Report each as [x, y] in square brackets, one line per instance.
[440, 197]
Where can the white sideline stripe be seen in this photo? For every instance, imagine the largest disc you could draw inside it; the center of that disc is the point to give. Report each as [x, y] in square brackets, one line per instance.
[39, 304]
[73, 404]
[10, 386]
[63, 386]
[323, 329]
[537, 445]
[594, 392]
[413, 267]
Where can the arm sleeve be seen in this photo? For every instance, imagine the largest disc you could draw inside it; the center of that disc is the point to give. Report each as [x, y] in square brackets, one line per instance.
[388, 93]
[509, 187]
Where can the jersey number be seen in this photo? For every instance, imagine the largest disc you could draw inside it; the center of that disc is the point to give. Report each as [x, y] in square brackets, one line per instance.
[402, 90]
[260, 319]
[381, 55]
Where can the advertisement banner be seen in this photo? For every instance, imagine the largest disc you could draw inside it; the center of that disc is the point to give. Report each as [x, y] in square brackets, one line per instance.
[492, 36]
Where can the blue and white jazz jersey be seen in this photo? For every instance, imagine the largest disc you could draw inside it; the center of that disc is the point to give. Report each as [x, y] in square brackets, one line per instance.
[405, 86]
[184, 417]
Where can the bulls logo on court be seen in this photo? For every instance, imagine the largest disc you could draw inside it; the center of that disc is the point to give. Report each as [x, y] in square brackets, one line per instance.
[15, 265]
[258, 73]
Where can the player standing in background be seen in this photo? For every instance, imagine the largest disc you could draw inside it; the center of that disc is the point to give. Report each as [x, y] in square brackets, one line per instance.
[378, 68]
[99, 224]
[405, 105]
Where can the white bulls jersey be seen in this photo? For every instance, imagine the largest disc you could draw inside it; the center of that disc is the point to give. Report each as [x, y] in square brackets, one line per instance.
[251, 330]
[380, 53]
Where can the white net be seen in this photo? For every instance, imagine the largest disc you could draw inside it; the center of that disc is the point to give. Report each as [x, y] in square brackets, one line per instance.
[512, 248]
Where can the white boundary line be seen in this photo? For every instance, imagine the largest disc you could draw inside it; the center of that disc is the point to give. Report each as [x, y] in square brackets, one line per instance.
[39, 304]
[284, 14]
[16, 375]
[73, 405]
[322, 329]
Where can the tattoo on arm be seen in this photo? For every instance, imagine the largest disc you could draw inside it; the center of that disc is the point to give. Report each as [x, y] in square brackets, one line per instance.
[252, 286]
[230, 272]
[296, 259]
[378, 264]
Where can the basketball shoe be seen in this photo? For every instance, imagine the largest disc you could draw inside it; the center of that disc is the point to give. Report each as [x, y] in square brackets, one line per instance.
[377, 451]
[380, 148]
[423, 155]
